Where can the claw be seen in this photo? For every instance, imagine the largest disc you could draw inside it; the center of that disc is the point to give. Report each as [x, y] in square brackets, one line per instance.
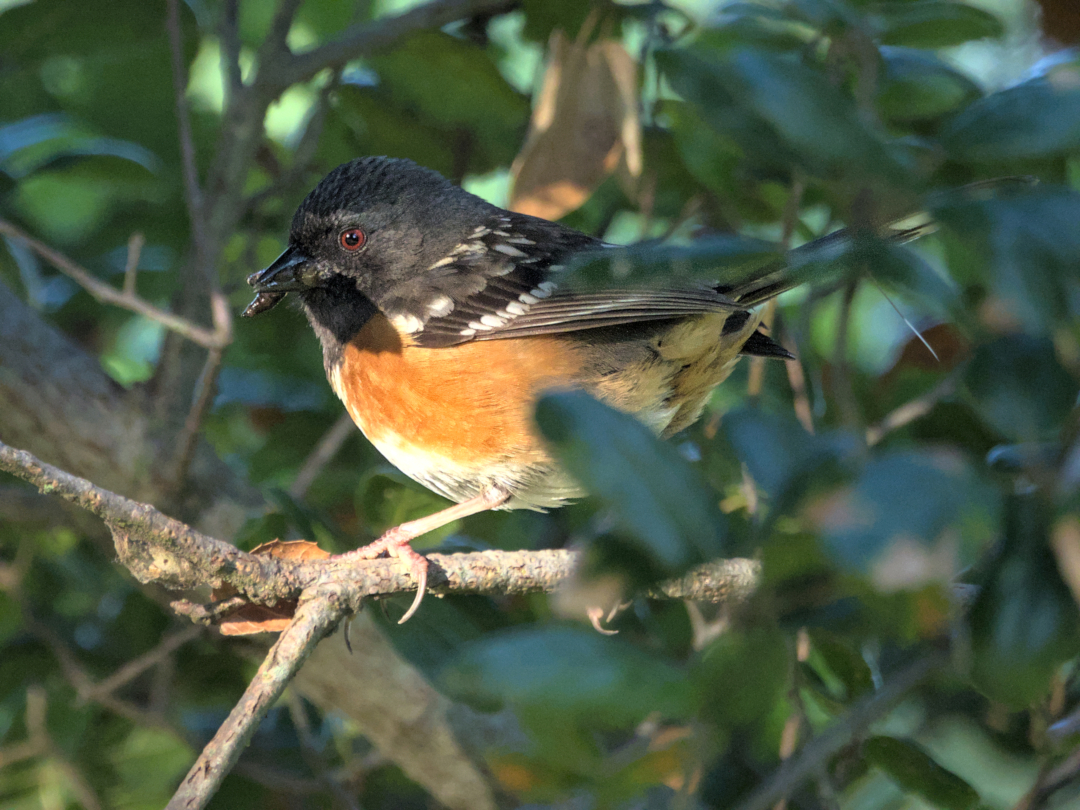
[396, 541]
[420, 573]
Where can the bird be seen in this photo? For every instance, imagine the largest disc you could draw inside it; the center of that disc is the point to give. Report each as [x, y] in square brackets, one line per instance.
[443, 318]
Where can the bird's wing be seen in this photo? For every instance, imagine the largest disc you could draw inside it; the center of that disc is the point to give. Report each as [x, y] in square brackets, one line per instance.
[503, 282]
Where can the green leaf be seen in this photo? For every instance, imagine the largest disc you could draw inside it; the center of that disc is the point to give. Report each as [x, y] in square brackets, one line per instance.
[781, 457]
[740, 676]
[1025, 246]
[781, 113]
[843, 662]
[900, 496]
[465, 73]
[374, 124]
[915, 770]
[1019, 388]
[933, 23]
[658, 500]
[1037, 119]
[1024, 624]
[898, 268]
[569, 672]
[916, 85]
[42, 29]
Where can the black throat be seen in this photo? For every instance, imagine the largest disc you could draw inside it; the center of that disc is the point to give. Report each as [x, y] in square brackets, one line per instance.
[336, 313]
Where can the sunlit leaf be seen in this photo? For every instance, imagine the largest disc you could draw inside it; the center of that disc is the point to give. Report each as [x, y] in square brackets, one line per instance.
[933, 23]
[916, 85]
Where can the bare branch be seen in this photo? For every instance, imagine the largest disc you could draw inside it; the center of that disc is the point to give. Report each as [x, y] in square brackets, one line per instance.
[107, 294]
[368, 37]
[155, 547]
[315, 617]
[276, 38]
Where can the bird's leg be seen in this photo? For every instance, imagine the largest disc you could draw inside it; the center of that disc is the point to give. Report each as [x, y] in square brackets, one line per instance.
[395, 542]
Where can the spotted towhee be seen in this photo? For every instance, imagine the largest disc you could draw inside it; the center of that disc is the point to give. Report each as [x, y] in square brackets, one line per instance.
[442, 318]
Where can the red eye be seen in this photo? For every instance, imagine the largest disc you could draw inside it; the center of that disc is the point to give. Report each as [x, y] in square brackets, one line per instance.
[352, 239]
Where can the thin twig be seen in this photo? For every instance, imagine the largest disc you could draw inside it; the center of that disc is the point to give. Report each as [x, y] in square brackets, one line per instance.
[205, 388]
[108, 294]
[137, 666]
[136, 242]
[315, 617]
[85, 686]
[321, 455]
[911, 410]
[817, 752]
[843, 388]
[801, 399]
[277, 37]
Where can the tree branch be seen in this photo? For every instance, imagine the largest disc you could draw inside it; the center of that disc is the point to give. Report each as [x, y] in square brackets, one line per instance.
[315, 617]
[368, 37]
[108, 294]
[157, 548]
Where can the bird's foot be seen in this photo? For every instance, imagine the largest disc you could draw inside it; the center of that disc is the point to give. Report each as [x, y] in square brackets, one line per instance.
[395, 543]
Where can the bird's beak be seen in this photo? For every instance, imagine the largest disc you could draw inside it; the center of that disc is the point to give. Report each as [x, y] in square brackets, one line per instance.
[292, 271]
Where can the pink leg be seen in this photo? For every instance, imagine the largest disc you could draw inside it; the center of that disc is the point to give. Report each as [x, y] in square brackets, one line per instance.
[395, 542]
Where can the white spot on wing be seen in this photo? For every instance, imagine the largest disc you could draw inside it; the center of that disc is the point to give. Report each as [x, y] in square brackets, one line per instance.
[407, 323]
[510, 250]
[468, 332]
[525, 298]
[440, 305]
[515, 308]
[492, 321]
[442, 262]
[476, 326]
[520, 240]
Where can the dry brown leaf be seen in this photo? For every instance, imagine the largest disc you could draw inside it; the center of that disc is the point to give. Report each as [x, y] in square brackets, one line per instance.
[250, 619]
[584, 127]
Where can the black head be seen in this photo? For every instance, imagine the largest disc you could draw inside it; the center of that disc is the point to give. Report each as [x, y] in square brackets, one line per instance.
[369, 225]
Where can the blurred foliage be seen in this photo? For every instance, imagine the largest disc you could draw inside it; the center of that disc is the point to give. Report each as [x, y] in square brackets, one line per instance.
[766, 123]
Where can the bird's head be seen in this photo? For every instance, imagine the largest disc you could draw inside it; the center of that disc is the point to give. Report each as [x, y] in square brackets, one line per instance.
[368, 226]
